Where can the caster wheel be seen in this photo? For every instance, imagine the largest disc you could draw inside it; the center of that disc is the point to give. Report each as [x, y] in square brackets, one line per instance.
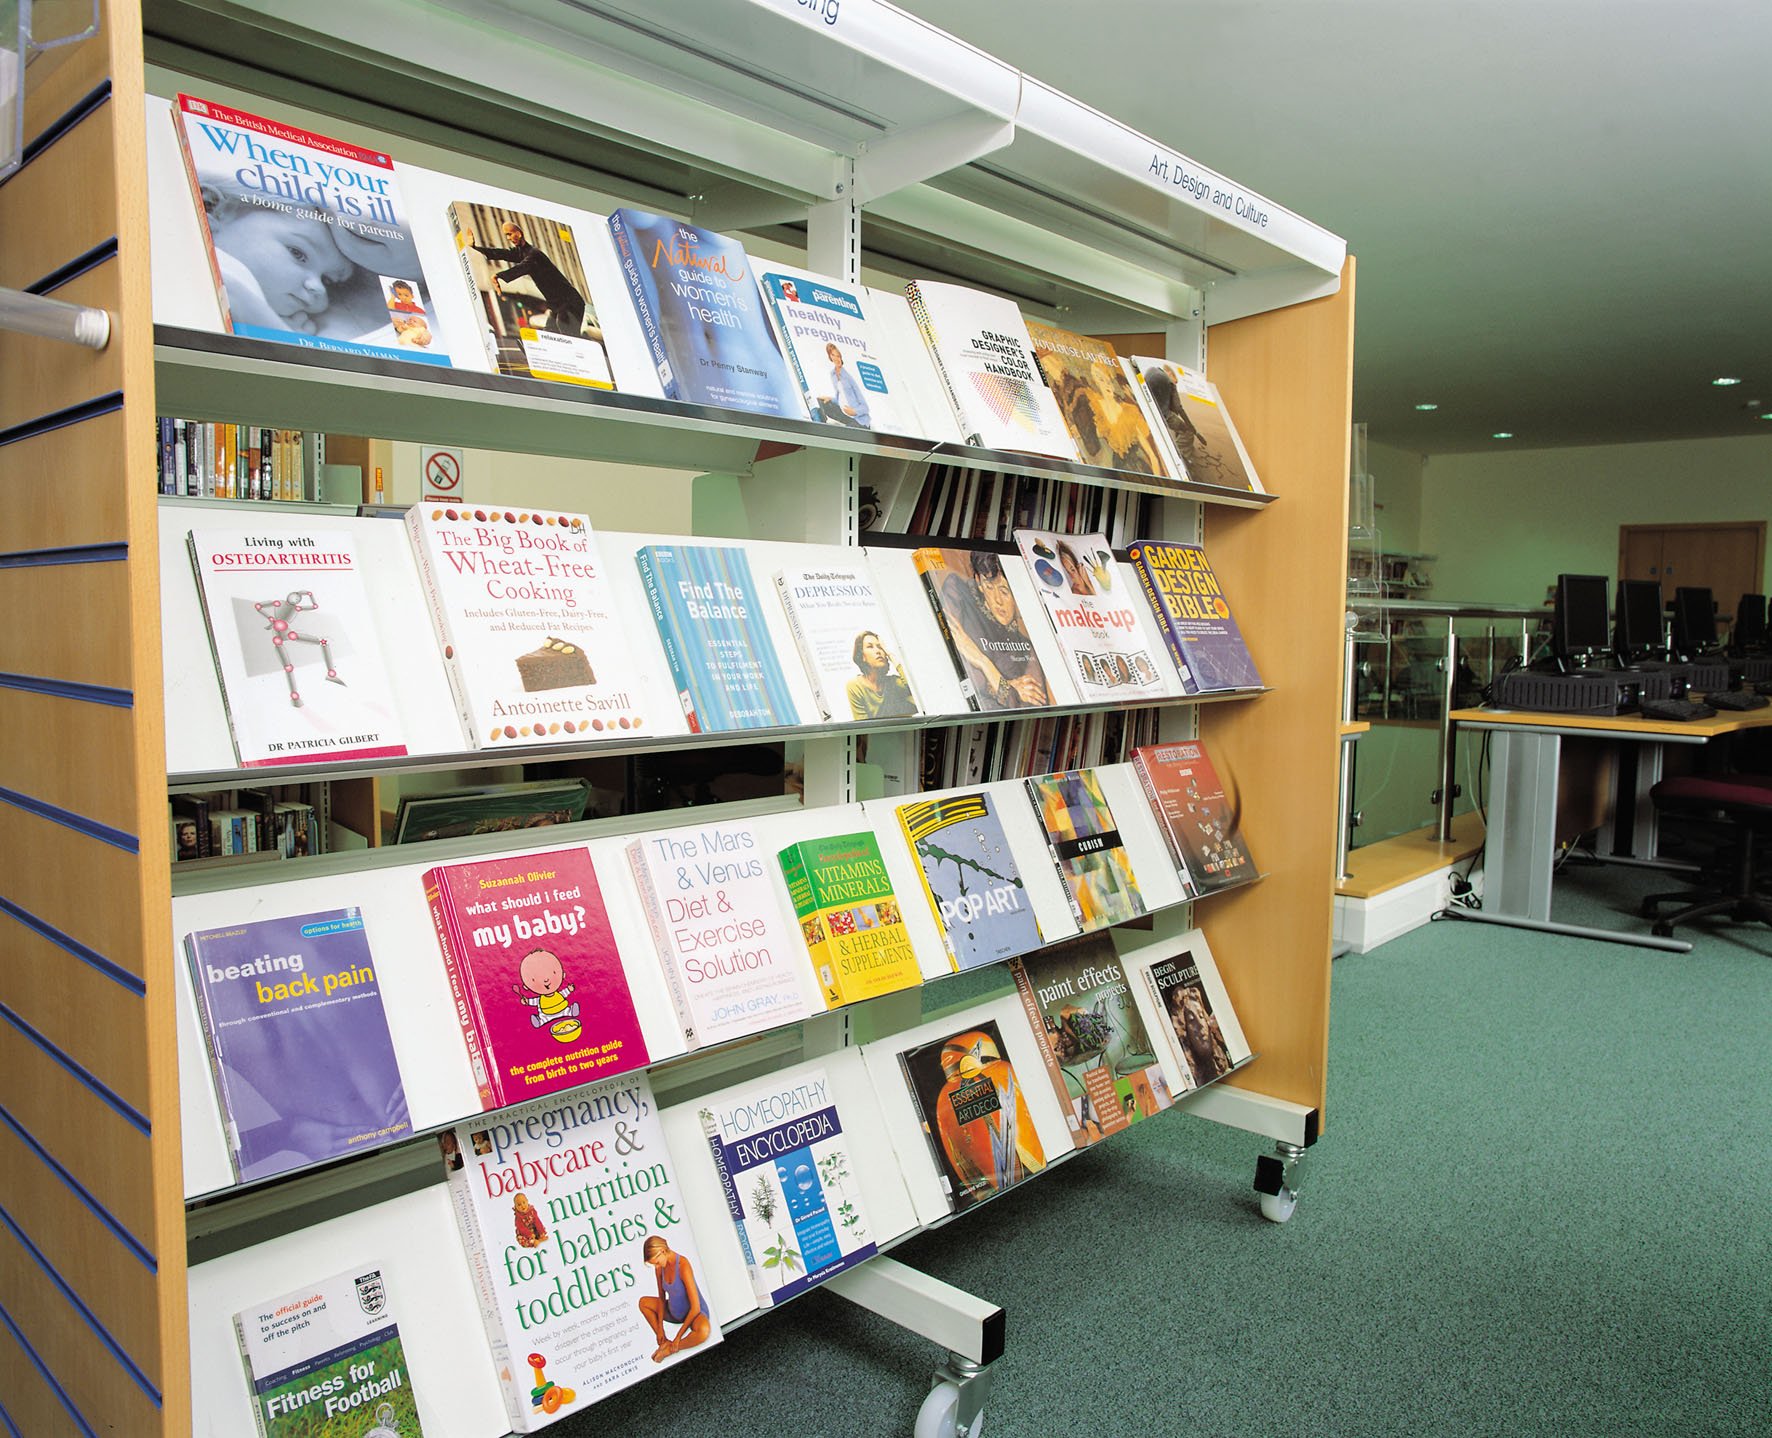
[936, 1418]
[1278, 1207]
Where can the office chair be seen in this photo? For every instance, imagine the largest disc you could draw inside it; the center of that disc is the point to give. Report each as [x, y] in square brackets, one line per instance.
[1744, 803]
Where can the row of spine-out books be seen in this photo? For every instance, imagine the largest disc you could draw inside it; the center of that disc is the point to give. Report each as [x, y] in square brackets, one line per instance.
[213, 459]
[321, 243]
[605, 1239]
[277, 820]
[981, 505]
[349, 642]
[958, 755]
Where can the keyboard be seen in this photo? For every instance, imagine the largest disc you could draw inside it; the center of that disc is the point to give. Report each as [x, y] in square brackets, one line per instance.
[1736, 700]
[1677, 709]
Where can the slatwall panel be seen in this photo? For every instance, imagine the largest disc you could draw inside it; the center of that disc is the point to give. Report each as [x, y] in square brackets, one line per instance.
[92, 1306]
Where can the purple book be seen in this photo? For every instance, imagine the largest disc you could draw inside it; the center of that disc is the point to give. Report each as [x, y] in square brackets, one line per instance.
[292, 1018]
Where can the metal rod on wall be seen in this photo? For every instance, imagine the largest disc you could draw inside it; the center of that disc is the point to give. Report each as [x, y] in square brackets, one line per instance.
[52, 319]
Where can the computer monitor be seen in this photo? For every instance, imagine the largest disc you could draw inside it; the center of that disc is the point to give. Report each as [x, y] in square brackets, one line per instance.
[1638, 632]
[1695, 622]
[1750, 623]
[1579, 627]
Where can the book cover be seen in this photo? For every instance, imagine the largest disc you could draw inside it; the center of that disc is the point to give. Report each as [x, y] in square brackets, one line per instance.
[525, 616]
[526, 280]
[716, 640]
[1200, 816]
[309, 240]
[326, 1361]
[974, 1114]
[724, 942]
[538, 985]
[1194, 615]
[1097, 401]
[1092, 615]
[587, 1276]
[1096, 1049]
[295, 646]
[982, 351]
[849, 917]
[786, 1172]
[1190, 419]
[970, 879]
[1086, 847]
[847, 644]
[1205, 1048]
[986, 635]
[702, 315]
[842, 369]
[490, 809]
[292, 1019]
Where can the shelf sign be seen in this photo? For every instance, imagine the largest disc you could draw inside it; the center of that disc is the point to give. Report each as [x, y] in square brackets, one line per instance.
[440, 473]
[1206, 190]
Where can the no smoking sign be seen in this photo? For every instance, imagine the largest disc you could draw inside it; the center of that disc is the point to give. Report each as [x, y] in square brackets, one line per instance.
[440, 473]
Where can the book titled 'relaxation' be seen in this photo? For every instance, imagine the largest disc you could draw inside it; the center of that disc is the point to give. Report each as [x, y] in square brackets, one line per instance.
[533, 969]
[849, 917]
[1194, 616]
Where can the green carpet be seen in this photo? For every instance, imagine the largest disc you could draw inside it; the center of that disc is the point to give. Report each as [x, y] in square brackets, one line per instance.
[1542, 1205]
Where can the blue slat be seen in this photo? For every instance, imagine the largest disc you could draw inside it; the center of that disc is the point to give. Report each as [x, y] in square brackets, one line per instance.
[110, 968]
[18, 1337]
[62, 418]
[137, 1250]
[133, 1116]
[68, 819]
[62, 274]
[69, 689]
[64, 554]
[60, 126]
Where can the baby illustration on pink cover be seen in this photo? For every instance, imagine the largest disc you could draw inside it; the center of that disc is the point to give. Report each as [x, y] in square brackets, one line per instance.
[544, 989]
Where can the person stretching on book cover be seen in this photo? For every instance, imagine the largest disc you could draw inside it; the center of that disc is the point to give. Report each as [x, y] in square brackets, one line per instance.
[876, 693]
[846, 404]
[678, 1300]
[566, 306]
[548, 994]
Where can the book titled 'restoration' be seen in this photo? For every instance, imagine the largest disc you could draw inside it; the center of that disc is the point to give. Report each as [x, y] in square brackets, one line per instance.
[537, 981]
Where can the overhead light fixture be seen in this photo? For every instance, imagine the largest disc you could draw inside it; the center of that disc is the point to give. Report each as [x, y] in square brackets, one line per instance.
[1766, 414]
[1726, 379]
[1502, 434]
[1427, 406]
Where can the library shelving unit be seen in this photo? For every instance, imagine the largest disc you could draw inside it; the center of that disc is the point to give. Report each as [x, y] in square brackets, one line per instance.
[848, 136]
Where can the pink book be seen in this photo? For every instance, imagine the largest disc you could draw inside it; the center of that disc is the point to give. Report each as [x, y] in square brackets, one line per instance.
[533, 968]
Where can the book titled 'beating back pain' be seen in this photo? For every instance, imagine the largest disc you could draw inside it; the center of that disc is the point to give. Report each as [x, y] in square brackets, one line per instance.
[292, 1018]
[702, 315]
[301, 669]
[309, 240]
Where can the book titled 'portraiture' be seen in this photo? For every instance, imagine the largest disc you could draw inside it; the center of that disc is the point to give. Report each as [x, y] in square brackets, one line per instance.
[326, 1361]
[847, 644]
[710, 619]
[970, 878]
[974, 1114]
[525, 616]
[1086, 848]
[987, 637]
[292, 1019]
[1200, 818]
[849, 917]
[587, 1276]
[701, 313]
[309, 240]
[1097, 1051]
[1092, 615]
[533, 969]
[301, 670]
[1195, 617]
[725, 944]
[785, 1169]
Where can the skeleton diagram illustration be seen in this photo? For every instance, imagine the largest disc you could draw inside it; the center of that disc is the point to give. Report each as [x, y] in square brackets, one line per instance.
[278, 613]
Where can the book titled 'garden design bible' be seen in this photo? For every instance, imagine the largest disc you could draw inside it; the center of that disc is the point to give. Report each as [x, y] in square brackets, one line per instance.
[587, 1276]
[292, 1018]
[1195, 617]
[538, 985]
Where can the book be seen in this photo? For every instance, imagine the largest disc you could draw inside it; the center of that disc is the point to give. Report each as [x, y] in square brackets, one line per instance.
[538, 985]
[849, 917]
[1096, 398]
[786, 1172]
[326, 1361]
[1199, 440]
[563, 1205]
[702, 315]
[716, 640]
[847, 644]
[1096, 1049]
[527, 283]
[293, 1024]
[987, 367]
[1205, 1038]
[1086, 848]
[526, 618]
[974, 1114]
[970, 878]
[840, 365]
[981, 622]
[724, 943]
[1092, 615]
[295, 646]
[308, 238]
[1194, 616]
[1200, 818]
[490, 809]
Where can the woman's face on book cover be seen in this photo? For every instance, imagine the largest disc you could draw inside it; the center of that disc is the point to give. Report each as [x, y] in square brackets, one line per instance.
[998, 598]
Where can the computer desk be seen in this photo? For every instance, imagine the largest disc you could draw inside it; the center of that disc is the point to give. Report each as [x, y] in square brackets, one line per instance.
[1525, 754]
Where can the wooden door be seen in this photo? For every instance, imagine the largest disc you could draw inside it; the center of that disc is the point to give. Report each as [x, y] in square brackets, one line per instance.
[1727, 559]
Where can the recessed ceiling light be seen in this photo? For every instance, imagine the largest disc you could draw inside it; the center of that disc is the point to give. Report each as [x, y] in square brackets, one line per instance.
[1427, 406]
[1502, 434]
[1766, 414]
[1727, 379]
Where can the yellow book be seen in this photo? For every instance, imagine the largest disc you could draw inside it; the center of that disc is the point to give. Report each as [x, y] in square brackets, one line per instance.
[849, 918]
